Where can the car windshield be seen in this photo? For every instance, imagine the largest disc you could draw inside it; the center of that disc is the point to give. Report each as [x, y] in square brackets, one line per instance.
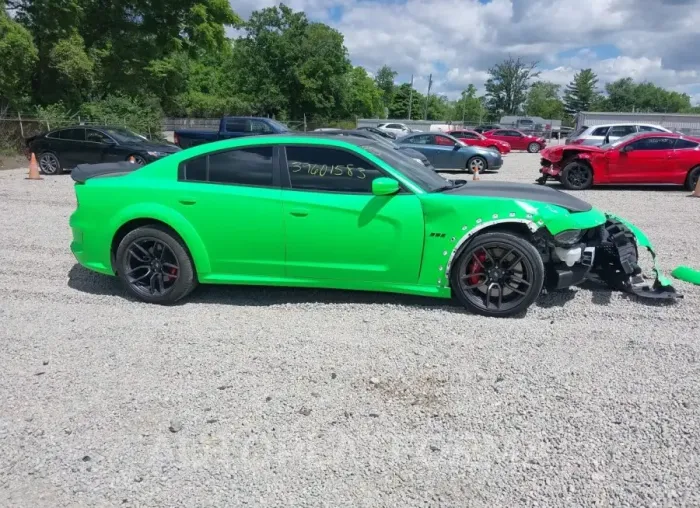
[618, 142]
[125, 135]
[425, 178]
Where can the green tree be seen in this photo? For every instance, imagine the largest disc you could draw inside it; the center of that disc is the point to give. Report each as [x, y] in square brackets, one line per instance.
[401, 98]
[581, 93]
[507, 86]
[543, 101]
[18, 56]
[363, 98]
[385, 81]
[286, 65]
[468, 108]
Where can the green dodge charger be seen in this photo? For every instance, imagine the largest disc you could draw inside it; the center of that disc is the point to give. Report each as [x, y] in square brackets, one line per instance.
[313, 211]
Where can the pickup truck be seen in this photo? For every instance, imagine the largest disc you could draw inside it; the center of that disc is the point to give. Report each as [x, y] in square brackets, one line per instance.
[229, 127]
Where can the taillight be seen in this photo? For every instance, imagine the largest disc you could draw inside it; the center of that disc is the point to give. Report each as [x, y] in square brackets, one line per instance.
[176, 138]
[578, 141]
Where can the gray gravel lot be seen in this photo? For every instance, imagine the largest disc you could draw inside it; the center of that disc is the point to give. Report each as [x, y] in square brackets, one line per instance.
[276, 397]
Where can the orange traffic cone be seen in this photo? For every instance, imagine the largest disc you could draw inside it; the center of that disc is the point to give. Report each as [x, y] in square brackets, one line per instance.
[132, 160]
[33, 169]
[476, 174]
[696, 192]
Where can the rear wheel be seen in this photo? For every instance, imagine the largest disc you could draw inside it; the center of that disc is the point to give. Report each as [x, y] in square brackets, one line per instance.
[534, 147]
[476, 163]
[137, 159]
[154, 265]
[498, 275]
[577, 176]
[693, 177]
[49, 164]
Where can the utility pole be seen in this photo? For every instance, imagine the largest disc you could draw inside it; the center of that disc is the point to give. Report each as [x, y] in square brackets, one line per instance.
[427, 97]
[410, 98]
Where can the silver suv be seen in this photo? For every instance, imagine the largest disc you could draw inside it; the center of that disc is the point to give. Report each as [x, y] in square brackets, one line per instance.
[600, 134]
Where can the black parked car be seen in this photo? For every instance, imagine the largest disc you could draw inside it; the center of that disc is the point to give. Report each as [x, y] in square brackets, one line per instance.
[65, 148]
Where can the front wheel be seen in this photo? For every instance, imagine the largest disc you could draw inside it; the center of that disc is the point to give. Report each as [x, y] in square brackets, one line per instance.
[498, 275]
[154, 265]
[476, 163]
[534, 147]
[137, 160]
[577, 176]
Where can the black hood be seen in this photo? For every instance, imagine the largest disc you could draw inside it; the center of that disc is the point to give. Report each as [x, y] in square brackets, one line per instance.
[524, 191]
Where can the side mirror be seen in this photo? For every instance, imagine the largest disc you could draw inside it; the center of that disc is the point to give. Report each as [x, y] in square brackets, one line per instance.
[627, 148]
[457, 146]
[384, 186]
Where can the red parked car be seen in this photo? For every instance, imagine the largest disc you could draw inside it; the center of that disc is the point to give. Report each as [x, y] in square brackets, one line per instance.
[518, 140]
[473, 138]
[639, 158]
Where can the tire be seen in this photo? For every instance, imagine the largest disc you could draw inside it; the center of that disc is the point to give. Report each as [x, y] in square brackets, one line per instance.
[137, 159]
[577, 176]
[693, 176]
[534, 147]
[477, 161]
[527, 266]
[49, 164]
[133, 250]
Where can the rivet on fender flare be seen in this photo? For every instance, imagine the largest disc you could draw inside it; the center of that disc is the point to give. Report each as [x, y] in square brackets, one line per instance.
[444, 253]
[442, 268]
[464, 228]
[478, 221]
[529, 216]
[511, 214]
[494, 216]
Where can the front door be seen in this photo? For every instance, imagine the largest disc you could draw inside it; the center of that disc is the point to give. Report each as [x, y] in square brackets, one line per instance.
[233, 200]
[72, 150]
[643, 160]
[97, 147]
[337, 230]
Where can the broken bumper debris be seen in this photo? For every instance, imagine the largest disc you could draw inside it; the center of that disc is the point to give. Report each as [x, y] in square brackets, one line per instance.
[616, 262]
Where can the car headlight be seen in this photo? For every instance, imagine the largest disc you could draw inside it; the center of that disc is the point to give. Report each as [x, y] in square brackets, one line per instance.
[568, 237]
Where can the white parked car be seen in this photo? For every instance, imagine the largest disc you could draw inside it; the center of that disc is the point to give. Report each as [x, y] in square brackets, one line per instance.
[600, 134]
[398, 129]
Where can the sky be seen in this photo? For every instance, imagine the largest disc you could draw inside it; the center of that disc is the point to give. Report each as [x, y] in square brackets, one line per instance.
[459, 40]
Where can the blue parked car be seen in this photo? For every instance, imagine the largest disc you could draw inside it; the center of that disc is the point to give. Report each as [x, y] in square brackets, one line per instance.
[446, 152]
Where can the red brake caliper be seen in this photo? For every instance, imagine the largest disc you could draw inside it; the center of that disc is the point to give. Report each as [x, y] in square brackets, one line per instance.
[476, 267]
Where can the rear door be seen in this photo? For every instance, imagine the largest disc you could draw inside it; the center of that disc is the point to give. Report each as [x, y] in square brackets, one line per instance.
[646, 160]
[514, 138]
[597, 136]
[233, 200]
[337, 230]
[73, 149]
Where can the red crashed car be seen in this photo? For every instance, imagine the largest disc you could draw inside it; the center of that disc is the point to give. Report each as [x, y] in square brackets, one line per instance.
[518, 140]
[639, 158]
[473, 138]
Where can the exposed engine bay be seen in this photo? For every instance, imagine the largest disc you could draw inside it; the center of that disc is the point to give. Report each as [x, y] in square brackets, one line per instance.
[607, 254]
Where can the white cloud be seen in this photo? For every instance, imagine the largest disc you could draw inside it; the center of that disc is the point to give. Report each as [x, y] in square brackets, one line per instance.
[658, 40]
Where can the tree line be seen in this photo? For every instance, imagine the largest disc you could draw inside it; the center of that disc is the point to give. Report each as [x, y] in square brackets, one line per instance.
[145, 59]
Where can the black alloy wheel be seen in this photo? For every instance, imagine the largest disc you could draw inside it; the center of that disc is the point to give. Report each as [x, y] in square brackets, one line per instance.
[498, 275]
[138, 160]
[693, 178]
[154, 265]
[577, 176]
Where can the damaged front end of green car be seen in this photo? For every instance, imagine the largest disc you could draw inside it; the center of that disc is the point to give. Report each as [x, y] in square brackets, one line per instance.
[616, 262]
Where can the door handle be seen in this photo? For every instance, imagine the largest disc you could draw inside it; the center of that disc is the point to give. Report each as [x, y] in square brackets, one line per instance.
[299, 212]
[188, 201]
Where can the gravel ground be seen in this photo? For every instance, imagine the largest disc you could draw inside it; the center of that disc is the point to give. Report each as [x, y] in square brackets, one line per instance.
[275, 397]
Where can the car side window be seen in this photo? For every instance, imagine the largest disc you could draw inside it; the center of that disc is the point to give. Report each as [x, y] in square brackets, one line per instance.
[682, 144]
[96, 136]
[655, 143]
[501, 133]
[243, 166]
[514, 134]
[235, 125]
[600, 131]
[469, 135]
[394, 126]
[329, 170]
[619, 131]
[443, 141]
[258, 127]
[423, 139]
[73, 134]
